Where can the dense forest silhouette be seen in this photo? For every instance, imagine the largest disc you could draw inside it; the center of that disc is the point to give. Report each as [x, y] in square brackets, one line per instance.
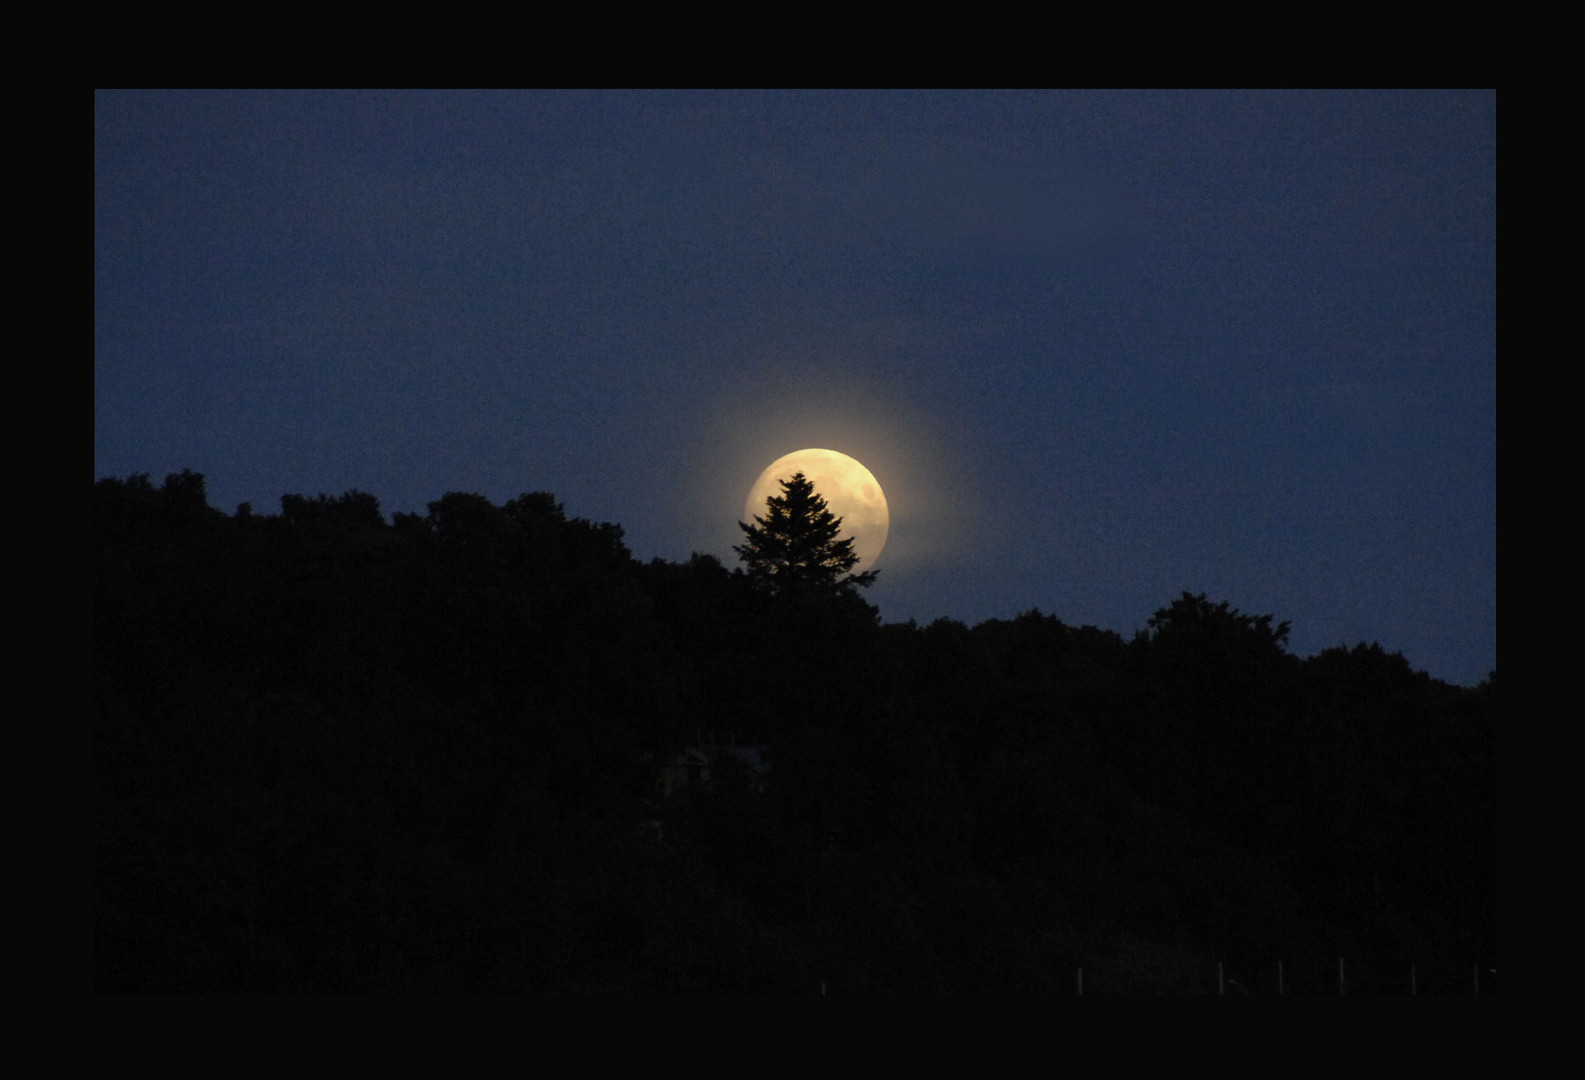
[485, 749]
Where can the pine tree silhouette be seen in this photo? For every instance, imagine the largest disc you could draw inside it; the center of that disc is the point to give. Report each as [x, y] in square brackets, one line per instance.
[794, 547]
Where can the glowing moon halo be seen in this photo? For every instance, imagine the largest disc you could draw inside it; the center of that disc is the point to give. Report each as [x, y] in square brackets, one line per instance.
[849, 489]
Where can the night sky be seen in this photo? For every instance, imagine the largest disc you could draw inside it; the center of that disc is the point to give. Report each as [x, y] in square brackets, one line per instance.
[1099, 348]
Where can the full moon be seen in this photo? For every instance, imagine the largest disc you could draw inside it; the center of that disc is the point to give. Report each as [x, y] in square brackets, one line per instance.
[849, 489]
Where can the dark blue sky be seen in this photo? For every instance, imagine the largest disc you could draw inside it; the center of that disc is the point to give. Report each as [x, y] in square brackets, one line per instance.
[1099, 348]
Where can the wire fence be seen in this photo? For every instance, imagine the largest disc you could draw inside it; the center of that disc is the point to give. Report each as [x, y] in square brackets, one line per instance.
[1338, 977]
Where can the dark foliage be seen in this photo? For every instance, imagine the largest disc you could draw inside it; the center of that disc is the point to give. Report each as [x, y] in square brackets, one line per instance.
[442, 754]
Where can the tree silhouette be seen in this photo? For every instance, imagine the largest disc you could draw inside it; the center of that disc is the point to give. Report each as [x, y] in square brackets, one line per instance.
[280, 702]
[794, 547]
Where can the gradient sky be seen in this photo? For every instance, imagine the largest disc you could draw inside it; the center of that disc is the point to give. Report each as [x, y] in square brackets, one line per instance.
[1099, 348]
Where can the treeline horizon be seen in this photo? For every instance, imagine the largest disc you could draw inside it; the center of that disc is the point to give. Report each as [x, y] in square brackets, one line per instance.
[340, 753]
